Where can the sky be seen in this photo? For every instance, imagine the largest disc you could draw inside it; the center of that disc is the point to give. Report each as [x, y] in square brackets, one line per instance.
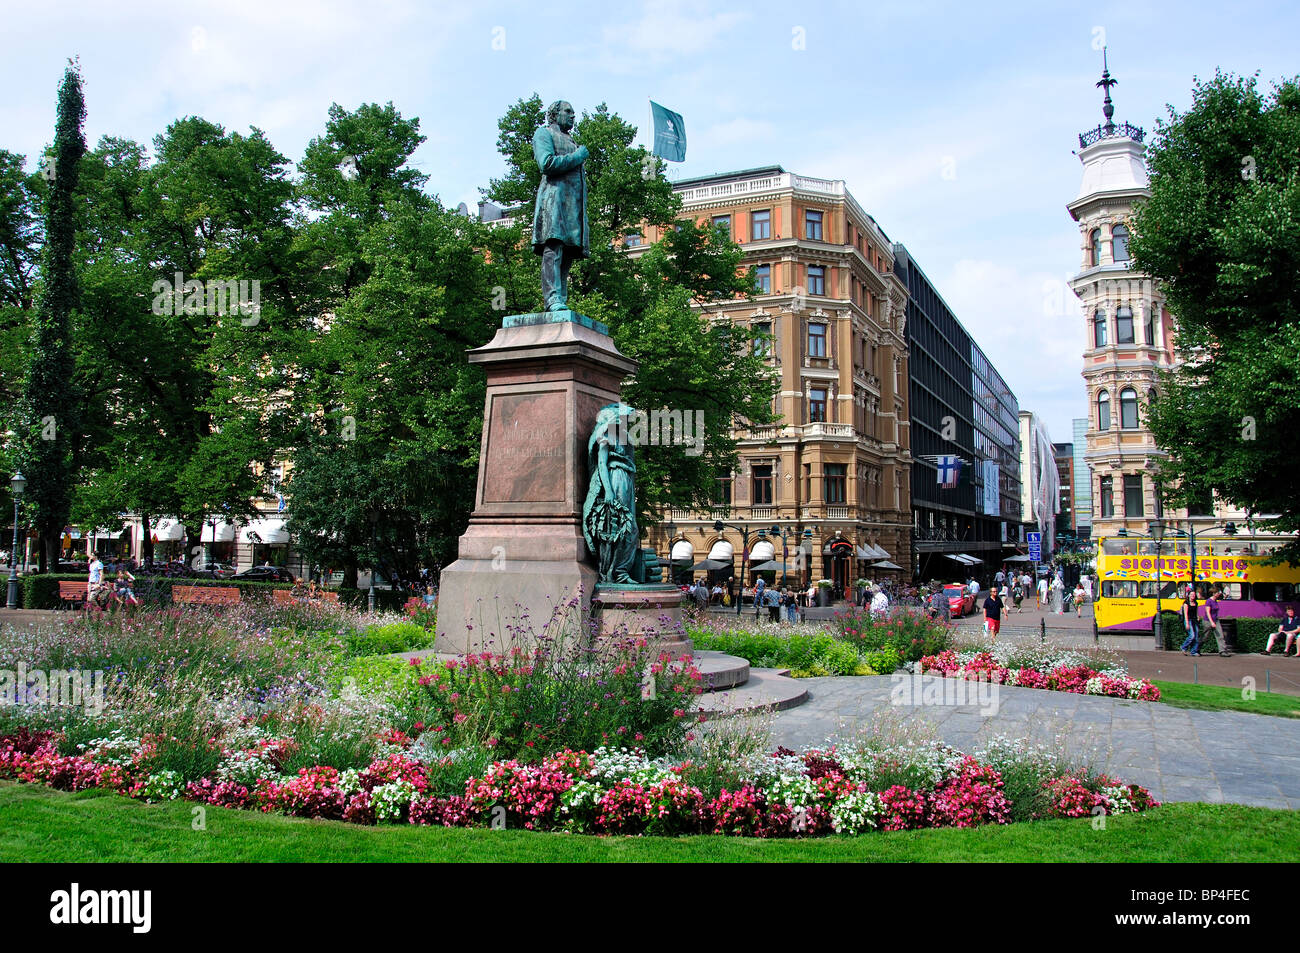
[953, 124]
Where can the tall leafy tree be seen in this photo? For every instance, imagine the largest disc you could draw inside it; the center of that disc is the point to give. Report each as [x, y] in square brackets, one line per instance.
[49, 419]
[1221, 232]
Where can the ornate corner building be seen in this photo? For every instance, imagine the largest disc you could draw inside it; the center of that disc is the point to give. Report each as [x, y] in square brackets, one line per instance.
[1129, 337]
[838, 463]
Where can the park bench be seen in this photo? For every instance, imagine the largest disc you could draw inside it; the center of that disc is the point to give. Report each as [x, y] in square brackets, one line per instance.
[284, 597]
[72, 592]
[205, 595]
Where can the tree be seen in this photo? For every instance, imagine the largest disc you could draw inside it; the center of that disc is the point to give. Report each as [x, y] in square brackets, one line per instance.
[1221, 233]
[48, 416]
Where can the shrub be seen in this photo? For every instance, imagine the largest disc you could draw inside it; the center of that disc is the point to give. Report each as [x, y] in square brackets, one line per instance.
[390, 639]
[911, 634]
[1252, 634]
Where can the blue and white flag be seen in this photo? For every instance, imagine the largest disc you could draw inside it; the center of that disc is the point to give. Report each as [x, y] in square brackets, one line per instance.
[949, 469]
[670, 133]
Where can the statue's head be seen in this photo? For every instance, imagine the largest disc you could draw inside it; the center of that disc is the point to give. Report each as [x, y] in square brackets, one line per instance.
[612, 421]
[560, 113]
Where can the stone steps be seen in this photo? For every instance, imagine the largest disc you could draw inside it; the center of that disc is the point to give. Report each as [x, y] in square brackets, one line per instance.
[736, 688]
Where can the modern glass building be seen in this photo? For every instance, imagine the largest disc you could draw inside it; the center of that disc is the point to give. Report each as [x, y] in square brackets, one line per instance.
[960, 408]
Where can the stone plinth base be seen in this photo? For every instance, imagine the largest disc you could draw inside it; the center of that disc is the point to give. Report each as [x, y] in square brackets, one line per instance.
[628, 611]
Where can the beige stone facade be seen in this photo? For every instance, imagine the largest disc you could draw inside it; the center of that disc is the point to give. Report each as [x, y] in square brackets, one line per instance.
[838, 463]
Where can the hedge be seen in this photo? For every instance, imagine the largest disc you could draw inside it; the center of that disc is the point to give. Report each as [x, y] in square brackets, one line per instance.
[41, 590]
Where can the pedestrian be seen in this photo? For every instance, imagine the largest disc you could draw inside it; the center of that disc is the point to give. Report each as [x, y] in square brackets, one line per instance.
[1212, 616]
[758, 595]
[993, 614]
[1040, 601]
[1079, 596]
[1188, 610]
[96, 576]
[1018, 596]
[701, 596]
[791, 605]
[773, 603]
[125, 587]
[1058, 595]
[879, 603]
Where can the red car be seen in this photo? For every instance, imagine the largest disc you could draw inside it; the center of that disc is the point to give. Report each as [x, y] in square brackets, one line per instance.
[960, 600]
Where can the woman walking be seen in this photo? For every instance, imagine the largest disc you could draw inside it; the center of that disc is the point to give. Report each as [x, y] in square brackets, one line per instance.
[1188, 611]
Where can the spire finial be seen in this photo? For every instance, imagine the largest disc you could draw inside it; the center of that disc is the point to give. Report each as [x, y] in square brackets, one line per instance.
[1107, 108]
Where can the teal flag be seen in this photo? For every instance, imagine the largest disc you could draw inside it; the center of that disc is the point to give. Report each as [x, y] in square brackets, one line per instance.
[670, 133]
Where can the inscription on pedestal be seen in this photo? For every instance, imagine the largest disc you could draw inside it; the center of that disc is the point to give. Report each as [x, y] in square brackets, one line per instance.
[525, 449]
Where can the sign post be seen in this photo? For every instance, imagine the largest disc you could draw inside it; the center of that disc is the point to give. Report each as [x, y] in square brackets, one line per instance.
[1035, 541]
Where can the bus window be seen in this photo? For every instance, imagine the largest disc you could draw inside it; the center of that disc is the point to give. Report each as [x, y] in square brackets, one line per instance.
[1232, 590]
[1272, 591]
[1168, 590]
[1117, 547]
[1119, 589]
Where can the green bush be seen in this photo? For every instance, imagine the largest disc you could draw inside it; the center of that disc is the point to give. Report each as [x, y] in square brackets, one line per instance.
[41, 590]
[884, 661]
[1174, 633]
[911, 634]
[384, 598]
[1252, 634]
[805, 654]
[388, 639]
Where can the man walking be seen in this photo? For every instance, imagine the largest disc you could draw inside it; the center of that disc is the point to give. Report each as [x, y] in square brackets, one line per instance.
[993, 613]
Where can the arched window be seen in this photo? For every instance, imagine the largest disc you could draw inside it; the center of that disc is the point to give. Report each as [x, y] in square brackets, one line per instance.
[1124, 325]
[1128, 409]
[1095, 238]
[1103, 411]
[1099, 329]
[1119, 243]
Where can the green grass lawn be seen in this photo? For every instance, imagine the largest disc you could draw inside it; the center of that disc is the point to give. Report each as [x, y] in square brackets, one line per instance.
[1222, 698]
[40, 824]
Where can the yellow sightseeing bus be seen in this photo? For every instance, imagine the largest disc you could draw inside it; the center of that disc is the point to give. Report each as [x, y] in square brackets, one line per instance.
[1135, 578]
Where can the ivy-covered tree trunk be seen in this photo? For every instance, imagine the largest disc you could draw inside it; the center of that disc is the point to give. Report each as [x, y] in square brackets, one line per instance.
[49, 415]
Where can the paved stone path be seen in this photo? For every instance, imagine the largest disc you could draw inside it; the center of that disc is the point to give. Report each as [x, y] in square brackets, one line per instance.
[1179, 754]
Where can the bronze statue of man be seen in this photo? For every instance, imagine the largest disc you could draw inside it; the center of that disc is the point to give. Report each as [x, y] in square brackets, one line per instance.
[560, 232]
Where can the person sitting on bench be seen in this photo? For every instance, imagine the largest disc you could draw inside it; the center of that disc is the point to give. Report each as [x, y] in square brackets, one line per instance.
[1290, 627]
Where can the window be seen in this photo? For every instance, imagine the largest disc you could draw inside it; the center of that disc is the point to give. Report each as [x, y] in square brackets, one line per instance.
[816, 280]
[1133, 494]
[760, 225]
[722, 494]
[834, 478]
[1099, 329]
[1119, 243]
[1095, 238]
[632, 239]
[1106, 496]
[807, 481]
[817, 405]
[1151, 326]
[763, 279]
[1124, 326]
[816, 340]
[763, 485]
[762, 338]
[1272, 591]
[1119, 590]
[1103, 411]
[722, 221]
[1128, 409]
[812, 225]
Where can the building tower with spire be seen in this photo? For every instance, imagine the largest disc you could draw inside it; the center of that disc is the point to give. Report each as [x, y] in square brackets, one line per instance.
[1128, 332]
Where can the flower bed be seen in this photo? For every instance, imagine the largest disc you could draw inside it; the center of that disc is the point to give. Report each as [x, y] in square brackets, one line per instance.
[1065, 673]
[609, 791]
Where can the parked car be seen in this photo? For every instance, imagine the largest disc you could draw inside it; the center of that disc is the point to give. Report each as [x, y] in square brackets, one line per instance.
[217, 570]
[960, 600]
[266, 574]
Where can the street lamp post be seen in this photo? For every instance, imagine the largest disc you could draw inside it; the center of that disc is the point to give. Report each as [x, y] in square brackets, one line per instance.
[718, 526]
[374, 519]
[1157, 530]
[18, 484]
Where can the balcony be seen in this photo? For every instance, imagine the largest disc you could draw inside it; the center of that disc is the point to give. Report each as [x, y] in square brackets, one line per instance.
[837, 512]
[822, 431]
[765, 513]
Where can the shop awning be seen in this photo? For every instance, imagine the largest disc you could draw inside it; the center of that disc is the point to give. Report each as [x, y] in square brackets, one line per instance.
[223, 532]
[886, 564]
[683, 551]
[268, 532]
[762, 551]
[963, 559]
[872, 551]
[722, 551]
[168, 530]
